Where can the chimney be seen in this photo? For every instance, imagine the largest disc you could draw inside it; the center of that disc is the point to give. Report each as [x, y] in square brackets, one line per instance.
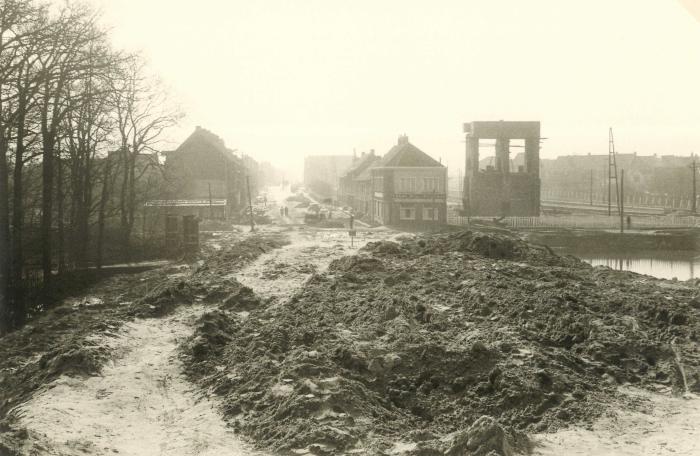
[403, 139]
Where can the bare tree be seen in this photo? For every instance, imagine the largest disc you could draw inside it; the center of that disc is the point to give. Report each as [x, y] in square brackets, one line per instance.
[143, 114]
[66, 100]
[64, 60]
[18, 27]
[88, 128]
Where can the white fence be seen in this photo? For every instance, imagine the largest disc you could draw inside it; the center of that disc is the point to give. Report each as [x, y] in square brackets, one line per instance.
[587, 221]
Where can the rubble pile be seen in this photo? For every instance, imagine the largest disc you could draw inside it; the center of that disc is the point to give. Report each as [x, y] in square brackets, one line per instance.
[444, 344]
[69, 339]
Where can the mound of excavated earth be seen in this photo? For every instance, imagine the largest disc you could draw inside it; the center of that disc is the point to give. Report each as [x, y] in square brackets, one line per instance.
[69, 339]
[455, 344]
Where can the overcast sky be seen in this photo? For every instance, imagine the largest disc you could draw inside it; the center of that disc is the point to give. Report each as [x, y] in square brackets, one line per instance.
[282, 79]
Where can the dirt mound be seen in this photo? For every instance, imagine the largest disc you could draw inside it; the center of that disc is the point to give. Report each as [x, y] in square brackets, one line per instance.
[236, 254]
[163, 298]
[486, 437]
[214, 331]
[356, 263]
[426, 337]
[382, 247]
[242, 299]
[69, 339]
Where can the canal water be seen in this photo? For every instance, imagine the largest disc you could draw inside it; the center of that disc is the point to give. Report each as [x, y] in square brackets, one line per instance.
[657, 263]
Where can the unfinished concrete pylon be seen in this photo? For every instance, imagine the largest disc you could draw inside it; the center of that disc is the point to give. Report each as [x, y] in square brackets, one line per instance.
[497, 190]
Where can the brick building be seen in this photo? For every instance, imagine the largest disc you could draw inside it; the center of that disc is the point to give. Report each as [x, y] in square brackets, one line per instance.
[585, 177]
[206, 178]
[408, 188]
[355, 185]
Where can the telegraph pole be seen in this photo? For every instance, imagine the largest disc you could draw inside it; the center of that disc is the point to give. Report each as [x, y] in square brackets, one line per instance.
[250, 203]
[612, 173]
[591, 188]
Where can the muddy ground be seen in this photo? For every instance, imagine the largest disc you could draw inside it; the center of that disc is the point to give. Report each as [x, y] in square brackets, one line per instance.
[460, 343]
[413, 347]
[47, 367]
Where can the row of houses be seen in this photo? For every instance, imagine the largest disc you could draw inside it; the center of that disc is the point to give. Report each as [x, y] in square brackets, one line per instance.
[406, 187]
[668, 175]
[208, 179]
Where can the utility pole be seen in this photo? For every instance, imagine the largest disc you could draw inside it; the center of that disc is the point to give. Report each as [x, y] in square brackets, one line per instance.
[250, 203]
[612, 172]
[622, 201]
[590, 190]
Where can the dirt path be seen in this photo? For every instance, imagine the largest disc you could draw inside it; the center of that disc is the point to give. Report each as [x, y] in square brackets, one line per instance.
[279, 274]
[670, 427]
[140, 405]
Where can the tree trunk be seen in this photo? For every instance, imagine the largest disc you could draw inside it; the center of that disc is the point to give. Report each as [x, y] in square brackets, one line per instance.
[17, 226]
[85, 210]
[104, 198]
[131, 204]
[59, 216]
[47, 173]
[5, 309]
[123, 205]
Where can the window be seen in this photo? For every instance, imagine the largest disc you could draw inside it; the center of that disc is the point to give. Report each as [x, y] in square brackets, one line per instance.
[407, 213]
[407, 185]
[431, 185]
[430, 213]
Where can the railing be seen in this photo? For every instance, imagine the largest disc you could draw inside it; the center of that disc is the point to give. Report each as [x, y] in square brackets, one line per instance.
[680, 202]
[585, 221]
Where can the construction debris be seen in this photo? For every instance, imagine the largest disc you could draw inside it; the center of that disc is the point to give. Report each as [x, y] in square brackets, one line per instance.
[444, 344]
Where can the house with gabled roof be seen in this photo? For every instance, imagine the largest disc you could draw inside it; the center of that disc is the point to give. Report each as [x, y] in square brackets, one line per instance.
[409, 188]
[206, 178]
[354, 186]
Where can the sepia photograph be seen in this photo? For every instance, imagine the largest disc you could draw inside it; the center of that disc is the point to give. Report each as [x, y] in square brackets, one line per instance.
[367, 227]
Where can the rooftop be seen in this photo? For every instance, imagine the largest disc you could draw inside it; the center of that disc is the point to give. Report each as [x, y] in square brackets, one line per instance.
[406, 154]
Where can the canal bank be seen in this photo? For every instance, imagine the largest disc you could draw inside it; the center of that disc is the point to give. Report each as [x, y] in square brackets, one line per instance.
[666, 254]
[681, 239]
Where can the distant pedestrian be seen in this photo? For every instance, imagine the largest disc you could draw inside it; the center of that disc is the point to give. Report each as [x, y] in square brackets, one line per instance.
[286, 211]
[629, 222]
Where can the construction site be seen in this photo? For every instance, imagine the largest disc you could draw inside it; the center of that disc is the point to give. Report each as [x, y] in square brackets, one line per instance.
[300, 339]
[349, 228]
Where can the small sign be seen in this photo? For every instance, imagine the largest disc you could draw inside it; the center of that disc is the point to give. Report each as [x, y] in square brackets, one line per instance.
[352, 233]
